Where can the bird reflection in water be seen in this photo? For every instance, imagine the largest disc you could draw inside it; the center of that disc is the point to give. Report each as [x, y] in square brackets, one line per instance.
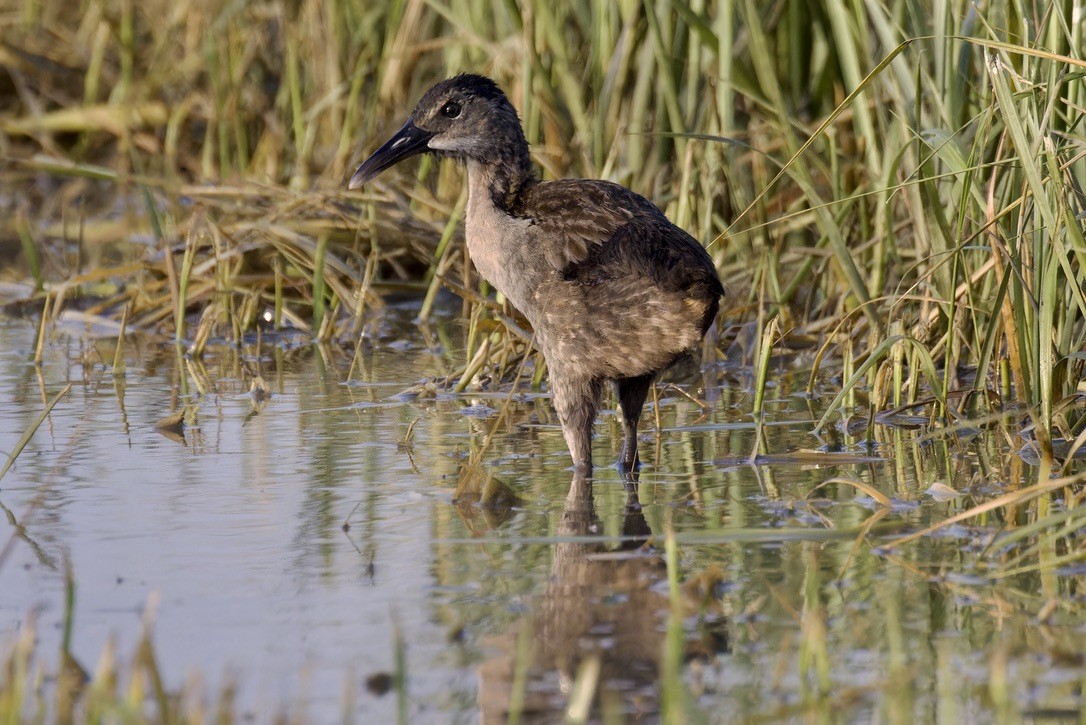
[602, 618]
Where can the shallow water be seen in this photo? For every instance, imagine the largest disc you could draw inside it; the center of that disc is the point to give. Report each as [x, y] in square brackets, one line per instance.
[282, 544]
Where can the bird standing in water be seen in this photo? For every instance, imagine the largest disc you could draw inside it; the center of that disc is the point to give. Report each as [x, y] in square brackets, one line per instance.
[614, 291]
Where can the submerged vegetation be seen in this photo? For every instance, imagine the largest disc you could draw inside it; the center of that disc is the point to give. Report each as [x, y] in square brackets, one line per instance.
[894, 189]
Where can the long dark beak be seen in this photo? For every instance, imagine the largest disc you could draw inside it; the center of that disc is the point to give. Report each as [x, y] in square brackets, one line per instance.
[408, 141]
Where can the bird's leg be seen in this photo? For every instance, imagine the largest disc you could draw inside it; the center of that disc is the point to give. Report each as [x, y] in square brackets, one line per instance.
[631, 399]
[635, 529]
[576, 400]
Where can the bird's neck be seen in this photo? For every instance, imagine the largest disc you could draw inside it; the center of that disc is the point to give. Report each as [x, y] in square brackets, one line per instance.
[505, 176]
[496, 228]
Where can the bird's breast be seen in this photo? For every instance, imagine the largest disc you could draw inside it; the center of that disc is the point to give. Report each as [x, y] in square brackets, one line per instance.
[498, 245]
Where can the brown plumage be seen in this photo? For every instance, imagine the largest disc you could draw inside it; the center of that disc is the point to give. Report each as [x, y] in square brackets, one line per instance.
[614, 291]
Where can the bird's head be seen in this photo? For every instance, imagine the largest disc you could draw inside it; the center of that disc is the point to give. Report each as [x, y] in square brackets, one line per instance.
[465, 117]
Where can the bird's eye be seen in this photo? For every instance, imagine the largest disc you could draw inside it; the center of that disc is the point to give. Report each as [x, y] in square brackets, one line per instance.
[450, 109]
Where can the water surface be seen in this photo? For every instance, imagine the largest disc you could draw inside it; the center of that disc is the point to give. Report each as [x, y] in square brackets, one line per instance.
[283, 543]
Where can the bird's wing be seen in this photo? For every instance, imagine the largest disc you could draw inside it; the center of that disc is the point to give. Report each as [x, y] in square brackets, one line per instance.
[573, 216]
[595, 232]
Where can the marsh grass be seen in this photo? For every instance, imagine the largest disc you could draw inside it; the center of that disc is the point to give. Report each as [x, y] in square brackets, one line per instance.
[901, 184]
[119, 689]
[910, 185]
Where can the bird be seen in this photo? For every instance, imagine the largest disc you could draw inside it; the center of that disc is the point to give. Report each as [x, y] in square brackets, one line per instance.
[613, 290]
